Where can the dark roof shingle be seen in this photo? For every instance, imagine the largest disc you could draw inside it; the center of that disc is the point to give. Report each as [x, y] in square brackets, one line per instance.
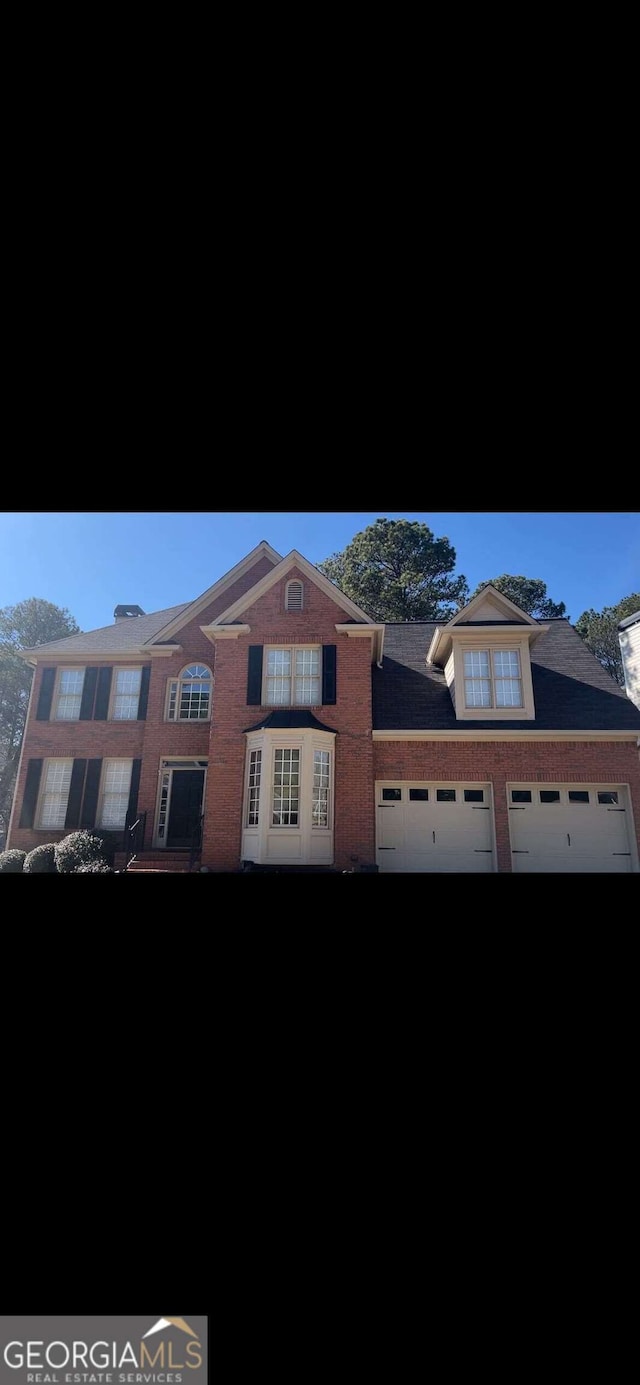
[571, 689]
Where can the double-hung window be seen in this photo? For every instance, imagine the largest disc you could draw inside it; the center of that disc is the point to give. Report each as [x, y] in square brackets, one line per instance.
[292, 678]
[114, 799]
[70, 685]
[126, 694]
[492, 678]
[54, 794]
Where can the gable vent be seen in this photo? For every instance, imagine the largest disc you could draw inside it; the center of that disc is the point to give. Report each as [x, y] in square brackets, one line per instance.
[293, 597]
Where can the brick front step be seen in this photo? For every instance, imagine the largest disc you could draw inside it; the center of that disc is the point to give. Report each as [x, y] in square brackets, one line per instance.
[157, 861]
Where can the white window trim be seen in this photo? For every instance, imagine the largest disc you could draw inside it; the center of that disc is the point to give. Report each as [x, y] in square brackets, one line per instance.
[484, 641]
[266, 843]
[178, 678]
[123, 668]
[111, 827]
[291, 649]
[67, 668]
[167, 765]
[52, 759]
[491, 678]
[297, 582]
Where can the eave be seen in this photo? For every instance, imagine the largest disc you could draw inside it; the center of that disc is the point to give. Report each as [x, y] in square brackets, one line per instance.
[374, 632]
[471, 734]
[502, 632]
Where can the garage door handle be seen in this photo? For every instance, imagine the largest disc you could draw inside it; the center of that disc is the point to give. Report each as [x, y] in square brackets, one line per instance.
[434, 838]
[516, 852]
[620, 853]
[386, 848]
[482, 850]
[515, 810]
[568, 840]
[478, 809]
[617, 810]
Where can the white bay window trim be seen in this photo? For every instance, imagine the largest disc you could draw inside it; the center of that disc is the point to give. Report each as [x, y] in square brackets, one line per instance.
[288, 800]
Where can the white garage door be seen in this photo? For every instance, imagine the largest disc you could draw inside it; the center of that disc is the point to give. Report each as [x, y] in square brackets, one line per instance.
[434, 827]
[569, 827]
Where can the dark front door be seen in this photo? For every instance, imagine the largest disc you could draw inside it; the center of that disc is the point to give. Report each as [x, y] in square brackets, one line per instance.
[185, 809]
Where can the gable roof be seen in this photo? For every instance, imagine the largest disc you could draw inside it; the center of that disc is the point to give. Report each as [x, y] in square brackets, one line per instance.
[293, 559]
[193, 608]
[497, 598]
[122, 637]
[571, 689]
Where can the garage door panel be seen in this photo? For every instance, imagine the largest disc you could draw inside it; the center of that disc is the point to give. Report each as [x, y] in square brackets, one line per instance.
[434, 828]
[585, 830]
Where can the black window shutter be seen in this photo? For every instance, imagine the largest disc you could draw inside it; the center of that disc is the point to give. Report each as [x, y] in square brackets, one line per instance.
[88, 693]
[91, 789]
[329, 652]
[144, 694]
[133, 791]
[102, 694]
[46, 695]
[31, 793]
[254, 680]
[75, 793]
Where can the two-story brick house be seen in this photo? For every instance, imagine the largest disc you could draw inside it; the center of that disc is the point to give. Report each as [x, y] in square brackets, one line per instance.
[303, 733]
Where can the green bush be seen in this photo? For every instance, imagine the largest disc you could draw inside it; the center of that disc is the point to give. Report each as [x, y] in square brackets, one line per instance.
[11, 862]
[78, 849]
[42, 859]
[94, 868]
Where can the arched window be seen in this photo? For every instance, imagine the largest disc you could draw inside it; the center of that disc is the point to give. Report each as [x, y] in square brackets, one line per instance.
[293, 595]
[189, 696]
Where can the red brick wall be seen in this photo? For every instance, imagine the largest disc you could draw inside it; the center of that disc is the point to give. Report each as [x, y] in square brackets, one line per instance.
[151, 739]
[498, 762]
[350, 717]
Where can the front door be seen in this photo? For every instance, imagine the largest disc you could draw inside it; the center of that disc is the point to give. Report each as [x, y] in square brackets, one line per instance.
[185, 808]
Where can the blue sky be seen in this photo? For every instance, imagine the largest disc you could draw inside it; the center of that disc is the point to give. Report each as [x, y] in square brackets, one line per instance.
[90, 562]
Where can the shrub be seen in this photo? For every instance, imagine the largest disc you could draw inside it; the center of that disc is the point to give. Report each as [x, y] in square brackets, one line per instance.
[12, 861]
[78, 849]
[94, 868]
[42, 859]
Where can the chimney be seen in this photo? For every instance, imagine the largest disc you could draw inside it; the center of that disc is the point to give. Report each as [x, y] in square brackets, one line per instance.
[126, 612]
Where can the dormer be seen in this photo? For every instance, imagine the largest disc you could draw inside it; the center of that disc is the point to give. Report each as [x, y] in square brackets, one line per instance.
[485, 651]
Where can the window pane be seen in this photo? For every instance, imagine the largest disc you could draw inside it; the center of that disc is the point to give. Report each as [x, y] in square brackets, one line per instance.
[474, 795]
[53, 807]
[578, 796]
[446, 795]
[128, 680]
[506, 664]
[476, 663]
[418, 795]
[285, 788]
[307, 683]
[116, 781]
[320, 805]
[607, 797]
[508, 692]
[549, 796]
[520, 795]
[69, 695]
[477, 692]
[391, 795]
[255, 771]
